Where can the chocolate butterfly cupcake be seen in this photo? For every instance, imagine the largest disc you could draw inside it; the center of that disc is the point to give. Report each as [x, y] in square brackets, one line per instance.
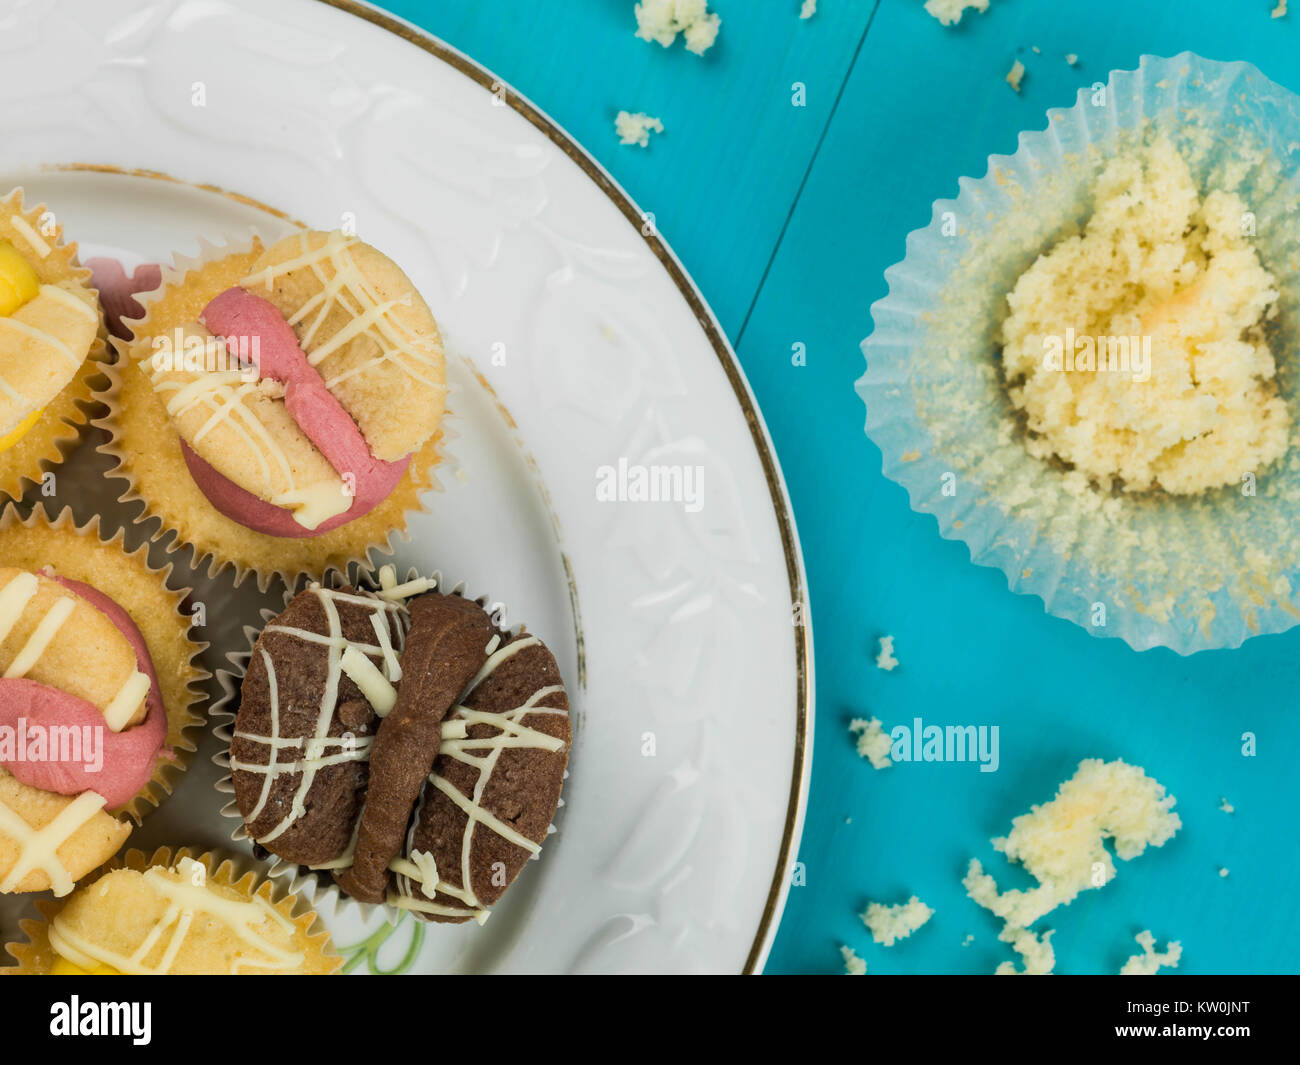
[401, 740]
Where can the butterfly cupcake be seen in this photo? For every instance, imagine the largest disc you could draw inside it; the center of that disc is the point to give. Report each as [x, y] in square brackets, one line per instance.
[398, 739]
[280, 408]
[51, 344]
[174, 914]
[98, 681]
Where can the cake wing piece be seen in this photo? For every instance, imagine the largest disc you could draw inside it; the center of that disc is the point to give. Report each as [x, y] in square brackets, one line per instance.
[446, 646]
[299, 758]
[488, 805]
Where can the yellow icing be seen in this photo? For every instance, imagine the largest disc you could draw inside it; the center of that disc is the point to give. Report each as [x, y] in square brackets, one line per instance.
[18, 281]
[22, 429]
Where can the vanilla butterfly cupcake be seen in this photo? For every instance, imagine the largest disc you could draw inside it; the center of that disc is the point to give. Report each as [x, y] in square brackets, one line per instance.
[280, 409]
[98, 681]
[175, 914]
[51, 345]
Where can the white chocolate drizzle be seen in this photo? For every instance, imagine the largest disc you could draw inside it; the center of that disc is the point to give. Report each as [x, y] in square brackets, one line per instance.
[345, 286]
[223, 394]
[367, 676]
[53, 344]
[15, 597]
[38, 847]
[35, 241]
[390, 589]
[316, 752]
[187, 901]
[456, 744]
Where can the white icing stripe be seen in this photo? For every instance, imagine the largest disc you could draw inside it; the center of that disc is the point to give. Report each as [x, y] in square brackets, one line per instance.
[41, 337]
[38, 848]
[347, 288]
[392, 664]
[495, 658]
[296, 742]
[320, 639]
[314, 749]
[406, 902]
[62, 295]
[478, 815]
[39, 641]
[420, 867]
[381, 695]
[37, 243]
[361, 754]
[14, 598]
[127, 701]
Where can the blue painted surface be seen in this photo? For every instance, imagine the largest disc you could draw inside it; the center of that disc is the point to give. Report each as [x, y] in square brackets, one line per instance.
[787, 218]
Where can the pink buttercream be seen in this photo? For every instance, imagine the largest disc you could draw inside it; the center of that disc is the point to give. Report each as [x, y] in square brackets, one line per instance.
[239, 317]
[128, 756]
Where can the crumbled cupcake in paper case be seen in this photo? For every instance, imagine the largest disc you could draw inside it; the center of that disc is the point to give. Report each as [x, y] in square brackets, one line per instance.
[1166, 560]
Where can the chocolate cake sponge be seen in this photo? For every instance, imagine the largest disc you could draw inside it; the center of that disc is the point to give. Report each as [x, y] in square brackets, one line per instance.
[511, 779]
[295, 690]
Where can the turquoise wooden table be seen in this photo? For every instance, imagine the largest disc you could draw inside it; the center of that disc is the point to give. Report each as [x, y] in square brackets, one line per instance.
[787, 207]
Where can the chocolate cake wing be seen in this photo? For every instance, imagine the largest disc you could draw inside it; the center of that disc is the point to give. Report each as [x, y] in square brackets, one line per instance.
[488, 804]
[445, 647]
[304, 729]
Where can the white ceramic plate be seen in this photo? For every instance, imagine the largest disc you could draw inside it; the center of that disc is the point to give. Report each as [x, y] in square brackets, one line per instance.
[576, 341]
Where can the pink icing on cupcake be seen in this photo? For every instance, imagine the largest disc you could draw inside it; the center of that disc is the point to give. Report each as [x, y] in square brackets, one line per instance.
[251, 324]
[128, 757]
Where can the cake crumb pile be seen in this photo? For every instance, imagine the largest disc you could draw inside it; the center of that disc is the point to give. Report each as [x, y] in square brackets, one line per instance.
[874, 743]
[885, 659]
[1149, 961]
[1135, 348]
[636, 128]
[949, 12]
[888, 924]
[1035, 952]
[662, 20]
[1062, 843]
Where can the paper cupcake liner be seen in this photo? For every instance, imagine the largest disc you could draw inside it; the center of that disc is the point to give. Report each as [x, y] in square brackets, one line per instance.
[59, 430]
[315, 884]
[146, 454]
[35, 956]
[180, 676]
[1188, 573]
